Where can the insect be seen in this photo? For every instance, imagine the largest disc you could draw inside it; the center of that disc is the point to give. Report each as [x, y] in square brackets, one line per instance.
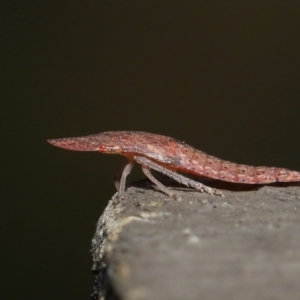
[169, 156]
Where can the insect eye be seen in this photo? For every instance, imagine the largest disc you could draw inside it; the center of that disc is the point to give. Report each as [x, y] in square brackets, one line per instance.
[113, 149]
[102, 148]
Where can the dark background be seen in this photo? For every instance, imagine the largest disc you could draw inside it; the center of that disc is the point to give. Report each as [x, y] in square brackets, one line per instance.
[221, 75]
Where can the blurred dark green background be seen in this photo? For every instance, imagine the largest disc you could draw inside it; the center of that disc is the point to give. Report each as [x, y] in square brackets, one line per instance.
[221, 75]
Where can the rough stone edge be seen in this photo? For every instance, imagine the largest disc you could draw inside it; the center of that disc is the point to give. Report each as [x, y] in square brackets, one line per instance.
[108, 228]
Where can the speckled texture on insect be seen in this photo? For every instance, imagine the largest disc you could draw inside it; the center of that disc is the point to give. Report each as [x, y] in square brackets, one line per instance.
[168, 156]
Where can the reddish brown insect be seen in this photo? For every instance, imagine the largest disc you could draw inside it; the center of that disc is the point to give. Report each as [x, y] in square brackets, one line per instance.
[167, 156]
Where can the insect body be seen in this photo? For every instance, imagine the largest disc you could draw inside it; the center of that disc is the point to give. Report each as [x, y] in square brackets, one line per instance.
[169, 156]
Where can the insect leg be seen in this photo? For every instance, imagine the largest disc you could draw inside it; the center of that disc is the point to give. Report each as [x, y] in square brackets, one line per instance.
[164, 189]
[177, 177]
[122, 172]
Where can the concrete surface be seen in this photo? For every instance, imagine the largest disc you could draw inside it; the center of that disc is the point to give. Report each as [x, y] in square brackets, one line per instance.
[243, 246]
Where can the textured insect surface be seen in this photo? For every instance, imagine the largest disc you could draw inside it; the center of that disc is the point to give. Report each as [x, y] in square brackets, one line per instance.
[169, 156]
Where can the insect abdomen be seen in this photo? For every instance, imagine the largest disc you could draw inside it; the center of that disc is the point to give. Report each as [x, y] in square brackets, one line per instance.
[202, 164]
[255, 175]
